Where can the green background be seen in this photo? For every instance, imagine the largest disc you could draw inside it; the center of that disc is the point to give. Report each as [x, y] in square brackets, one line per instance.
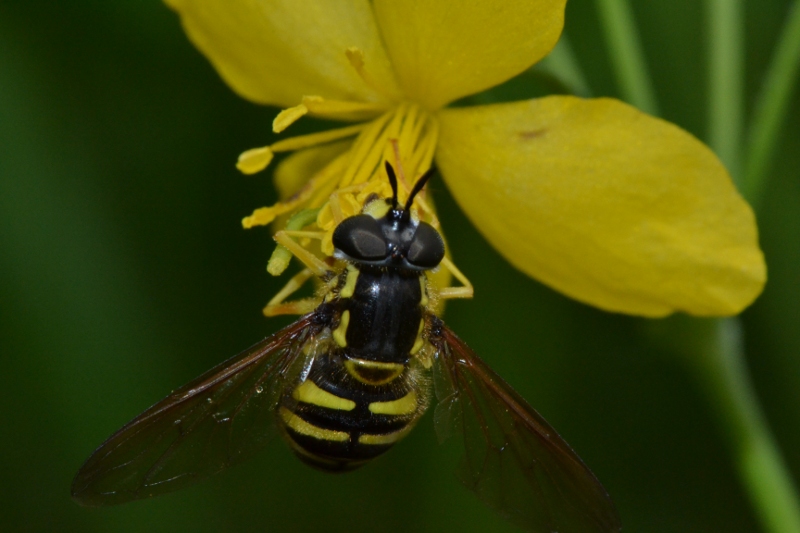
[124, 272]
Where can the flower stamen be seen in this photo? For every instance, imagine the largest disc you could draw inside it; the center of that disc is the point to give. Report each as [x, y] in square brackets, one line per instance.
[362, 147]
[324, 179]
[313, 139]
[356, 58]
[287, 117]
[406, 135]
[257, 159]
[254, 160]
[342, 109]
[317, 106]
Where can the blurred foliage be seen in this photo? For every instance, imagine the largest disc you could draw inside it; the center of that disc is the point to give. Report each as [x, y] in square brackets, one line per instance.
[124, 272]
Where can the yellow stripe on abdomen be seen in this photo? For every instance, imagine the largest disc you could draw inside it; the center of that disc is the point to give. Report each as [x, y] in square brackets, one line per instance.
[388, 438]
[402, 406]
[298, 425]
[373, 372]
[309, 392]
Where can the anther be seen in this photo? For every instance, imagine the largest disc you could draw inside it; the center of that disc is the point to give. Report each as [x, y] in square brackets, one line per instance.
[254, 160]
[287, 117]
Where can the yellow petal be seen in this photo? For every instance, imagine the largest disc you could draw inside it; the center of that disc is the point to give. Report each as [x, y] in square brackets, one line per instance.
[442, 51]
[606, 204]
[276, 51]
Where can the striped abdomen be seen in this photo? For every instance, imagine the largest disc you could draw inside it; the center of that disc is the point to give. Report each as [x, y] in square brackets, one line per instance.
[349, 411]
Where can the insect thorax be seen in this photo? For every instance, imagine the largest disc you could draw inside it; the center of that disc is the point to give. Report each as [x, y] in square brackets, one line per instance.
[380, 312]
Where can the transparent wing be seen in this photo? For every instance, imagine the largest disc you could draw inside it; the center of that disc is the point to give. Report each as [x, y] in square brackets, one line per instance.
[514, 460]
[217, 420]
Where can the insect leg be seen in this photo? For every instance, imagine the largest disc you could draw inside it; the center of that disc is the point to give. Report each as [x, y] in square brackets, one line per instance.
[317, 266]
[465, 291]
[314, 267]
[277, 306]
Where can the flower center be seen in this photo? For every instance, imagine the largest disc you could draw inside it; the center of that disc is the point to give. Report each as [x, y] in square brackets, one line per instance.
[404, 135]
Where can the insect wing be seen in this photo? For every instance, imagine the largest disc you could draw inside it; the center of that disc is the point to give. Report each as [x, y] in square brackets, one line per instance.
[514, 460]
[217, 420]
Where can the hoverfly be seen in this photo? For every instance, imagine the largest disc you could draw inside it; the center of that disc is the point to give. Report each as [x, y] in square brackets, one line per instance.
[345, 382]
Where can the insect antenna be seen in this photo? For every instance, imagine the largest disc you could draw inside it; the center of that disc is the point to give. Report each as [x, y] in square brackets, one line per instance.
[418, 187]
[393, 183]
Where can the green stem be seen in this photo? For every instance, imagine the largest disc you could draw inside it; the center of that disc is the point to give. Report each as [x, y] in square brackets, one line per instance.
[771, 105]
[714, 347]
[719, 360]
[723, 371]
[626, 53]
[726, 79]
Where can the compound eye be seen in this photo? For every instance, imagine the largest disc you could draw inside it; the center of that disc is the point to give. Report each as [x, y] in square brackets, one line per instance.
[360, 237]
[427, 248]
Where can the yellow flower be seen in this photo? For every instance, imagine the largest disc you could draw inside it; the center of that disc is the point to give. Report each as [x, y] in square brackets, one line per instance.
[608, 205]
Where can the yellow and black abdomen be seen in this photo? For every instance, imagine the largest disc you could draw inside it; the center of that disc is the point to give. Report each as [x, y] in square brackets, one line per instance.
[348, 411]
[364, 390]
